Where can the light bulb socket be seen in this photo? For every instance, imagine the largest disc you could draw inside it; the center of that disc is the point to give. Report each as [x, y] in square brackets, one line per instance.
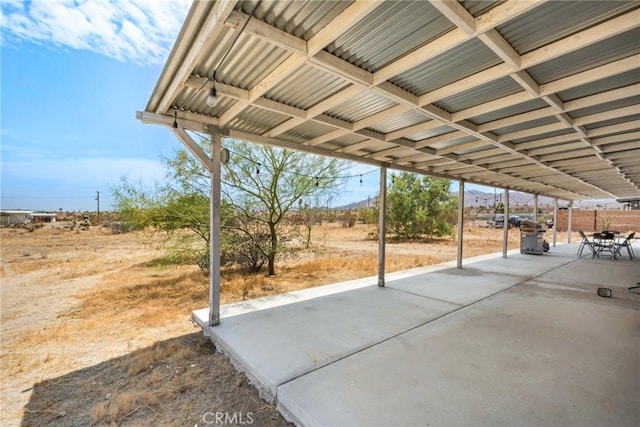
[212, 99]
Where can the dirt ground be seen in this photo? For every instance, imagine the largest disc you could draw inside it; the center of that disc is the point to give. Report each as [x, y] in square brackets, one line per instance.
[95, 333]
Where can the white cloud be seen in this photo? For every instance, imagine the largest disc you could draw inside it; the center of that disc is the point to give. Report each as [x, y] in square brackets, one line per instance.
[139, 31]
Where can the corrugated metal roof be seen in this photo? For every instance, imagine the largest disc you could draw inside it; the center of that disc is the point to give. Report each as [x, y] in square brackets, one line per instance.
[617, 81]
[306, 131]
[626, 119]
[306, 87]
[480, 95]
[392, 30]
[360, 107]
[257, 120]
[525, 125]
[453, 65]
[377, 79]
[398, 122]
[600, 108]
[543, 136]
[419, 136]
[621, 46]
[302, 18]
[510, 111]
[476, 8]
[555, 20]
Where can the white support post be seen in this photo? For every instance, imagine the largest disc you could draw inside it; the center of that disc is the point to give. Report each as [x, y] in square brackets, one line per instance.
[535, 208]
[505, 225]
[555, 221]
[460, 221]
[569, 222]
[214, 237]
[382, 219]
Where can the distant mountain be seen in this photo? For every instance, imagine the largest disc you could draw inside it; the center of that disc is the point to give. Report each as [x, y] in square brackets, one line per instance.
[475, 198]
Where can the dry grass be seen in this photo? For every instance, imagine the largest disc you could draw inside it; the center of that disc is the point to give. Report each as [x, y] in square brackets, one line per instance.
[149, 300]
[164, 370]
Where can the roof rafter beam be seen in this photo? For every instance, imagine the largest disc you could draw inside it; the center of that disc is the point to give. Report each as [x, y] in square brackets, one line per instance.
[210, 30]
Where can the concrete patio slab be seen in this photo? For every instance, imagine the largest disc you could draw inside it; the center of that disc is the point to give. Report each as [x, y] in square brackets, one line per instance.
[276, 345]
[523, 340]
[530, 356]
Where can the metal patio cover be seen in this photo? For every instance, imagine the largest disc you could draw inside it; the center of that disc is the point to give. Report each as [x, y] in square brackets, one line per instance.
[537, 96]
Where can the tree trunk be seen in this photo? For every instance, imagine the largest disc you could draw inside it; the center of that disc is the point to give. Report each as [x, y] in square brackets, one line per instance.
[274, 249]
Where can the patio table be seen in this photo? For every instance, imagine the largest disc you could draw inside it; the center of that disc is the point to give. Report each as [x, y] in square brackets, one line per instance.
[605, 241]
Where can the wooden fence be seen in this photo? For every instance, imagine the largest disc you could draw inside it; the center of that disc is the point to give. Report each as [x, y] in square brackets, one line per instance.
[594, 220]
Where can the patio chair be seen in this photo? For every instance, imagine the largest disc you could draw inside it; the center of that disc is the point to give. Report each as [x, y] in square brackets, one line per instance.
[626, 243]
[585, 242]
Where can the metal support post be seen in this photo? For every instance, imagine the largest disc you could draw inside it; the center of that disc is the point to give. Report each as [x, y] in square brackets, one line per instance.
[382, 218]
[555, 221]
[460, 221]
[505, 224]
[214, 229]
[569, 222]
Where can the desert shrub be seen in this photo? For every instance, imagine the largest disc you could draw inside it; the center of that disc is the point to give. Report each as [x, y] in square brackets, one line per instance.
[368, 215]
[348, 218]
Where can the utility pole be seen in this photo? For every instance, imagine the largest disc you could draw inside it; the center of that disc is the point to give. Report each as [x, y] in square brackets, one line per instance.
[98, 200]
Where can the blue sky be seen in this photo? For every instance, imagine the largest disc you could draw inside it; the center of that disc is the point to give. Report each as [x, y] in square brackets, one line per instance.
[73, 74]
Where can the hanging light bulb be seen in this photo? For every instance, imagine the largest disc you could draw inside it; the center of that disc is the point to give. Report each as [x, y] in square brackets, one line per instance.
[175, 120]
[212, 99]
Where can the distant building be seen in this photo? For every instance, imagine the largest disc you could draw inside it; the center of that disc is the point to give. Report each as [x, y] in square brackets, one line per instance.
[14, 217]
[19, 216]
[630, 203]
[43, 217]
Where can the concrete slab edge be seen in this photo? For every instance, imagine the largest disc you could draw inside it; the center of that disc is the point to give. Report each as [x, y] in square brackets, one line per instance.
[236, 360]
[236, 308]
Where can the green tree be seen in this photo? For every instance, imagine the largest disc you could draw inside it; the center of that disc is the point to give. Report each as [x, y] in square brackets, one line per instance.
[263, 183]
[260, 186]
[419, 206]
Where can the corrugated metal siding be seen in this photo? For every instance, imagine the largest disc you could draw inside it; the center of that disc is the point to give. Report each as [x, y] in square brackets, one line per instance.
[306, 87]
[555, 20]
[480, 94]
[453, 65]
[361, 106]
[620, 80]
[401, 121]
[389, 32]
[584, 59]
[502, 113]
